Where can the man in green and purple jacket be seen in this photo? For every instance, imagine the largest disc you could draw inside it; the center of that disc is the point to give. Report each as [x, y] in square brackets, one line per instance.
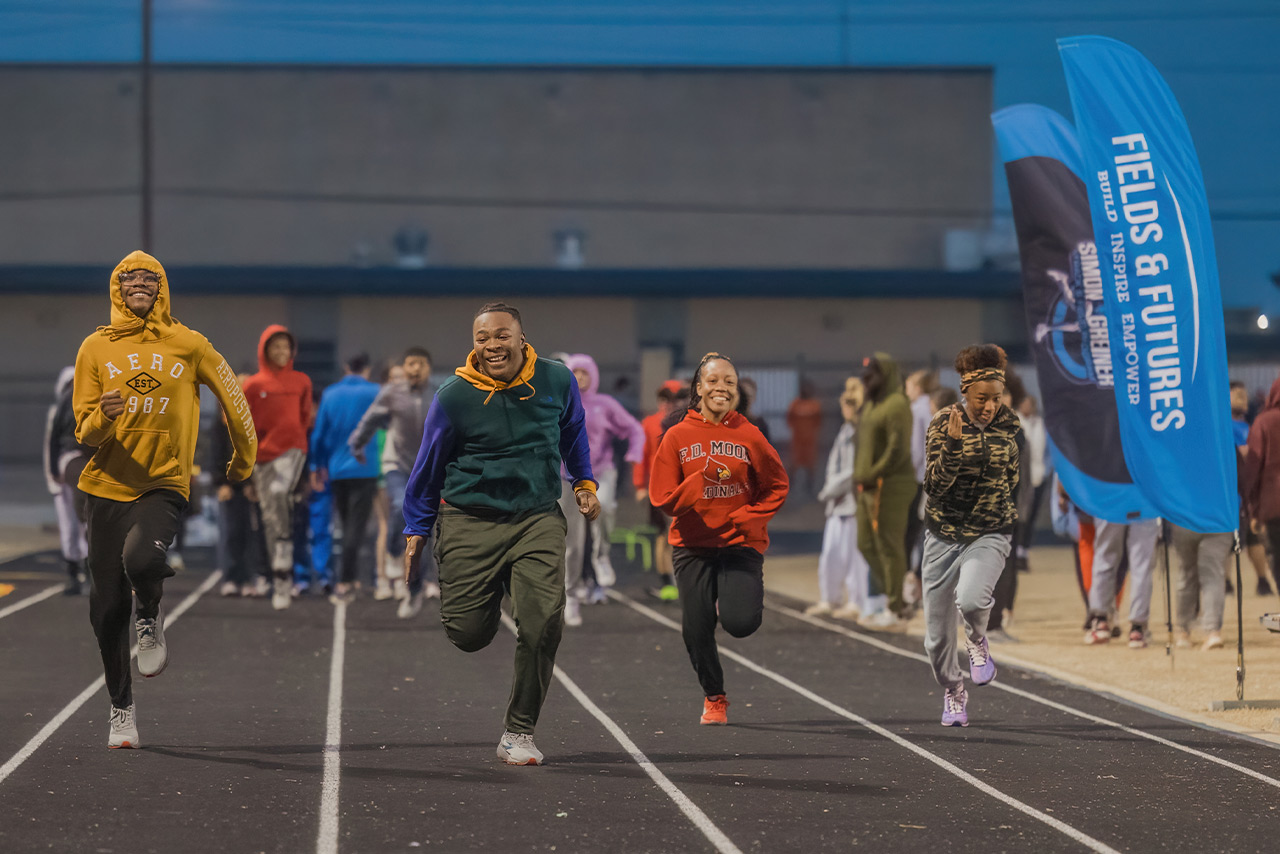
[494, 439]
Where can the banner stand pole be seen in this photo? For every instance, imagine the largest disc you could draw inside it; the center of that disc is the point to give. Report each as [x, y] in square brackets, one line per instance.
[1239, 624]
[1239, 702]
[1168, 593]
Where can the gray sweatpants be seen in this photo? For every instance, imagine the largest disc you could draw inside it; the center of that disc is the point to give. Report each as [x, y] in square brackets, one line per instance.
[958, 583]
[1202, 561]
[275, 482]
[1110, 541]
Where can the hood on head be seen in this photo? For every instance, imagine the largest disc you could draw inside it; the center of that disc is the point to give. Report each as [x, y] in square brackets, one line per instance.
[1273, 396]
[892, 375]
[125, 322]
[65, 378]
[264, 364]
[583, 362]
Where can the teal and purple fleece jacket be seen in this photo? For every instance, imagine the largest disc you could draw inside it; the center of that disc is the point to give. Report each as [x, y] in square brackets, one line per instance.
[494, 449]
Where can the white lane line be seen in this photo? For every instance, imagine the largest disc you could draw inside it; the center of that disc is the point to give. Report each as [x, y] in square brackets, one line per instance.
[1012, 802]
[327, 838]
[700, 819]
[71, 708]
[1053, 704]
[30, 600]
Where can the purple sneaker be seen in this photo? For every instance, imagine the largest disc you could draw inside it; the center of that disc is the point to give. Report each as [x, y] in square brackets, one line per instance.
[981, 668]
[953, 707]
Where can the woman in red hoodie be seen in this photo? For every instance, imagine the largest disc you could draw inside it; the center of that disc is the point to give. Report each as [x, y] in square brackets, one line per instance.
[722, 482]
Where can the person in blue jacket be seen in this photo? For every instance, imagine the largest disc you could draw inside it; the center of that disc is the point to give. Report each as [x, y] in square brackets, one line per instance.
[354, 484]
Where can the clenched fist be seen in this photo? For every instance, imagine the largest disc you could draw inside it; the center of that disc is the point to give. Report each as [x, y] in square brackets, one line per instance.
[112, 405]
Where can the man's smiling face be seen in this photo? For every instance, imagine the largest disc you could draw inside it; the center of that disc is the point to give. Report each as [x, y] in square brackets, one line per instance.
[139, 289]
[499, 345]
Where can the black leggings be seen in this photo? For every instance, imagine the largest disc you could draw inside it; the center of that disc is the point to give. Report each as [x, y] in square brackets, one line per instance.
[354, 499]
[731, 577]
[128, 546]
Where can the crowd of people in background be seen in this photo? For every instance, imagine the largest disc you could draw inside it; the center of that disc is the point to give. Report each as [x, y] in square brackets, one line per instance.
[930, 499]
[329, 467]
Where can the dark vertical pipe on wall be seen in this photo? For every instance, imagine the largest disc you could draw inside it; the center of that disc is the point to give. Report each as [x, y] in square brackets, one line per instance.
[145, 128]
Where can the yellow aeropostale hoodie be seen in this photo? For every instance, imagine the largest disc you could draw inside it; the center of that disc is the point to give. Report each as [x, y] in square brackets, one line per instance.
[157, 364]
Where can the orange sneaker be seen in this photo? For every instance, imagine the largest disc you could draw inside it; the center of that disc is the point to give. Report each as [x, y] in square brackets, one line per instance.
[715, 711]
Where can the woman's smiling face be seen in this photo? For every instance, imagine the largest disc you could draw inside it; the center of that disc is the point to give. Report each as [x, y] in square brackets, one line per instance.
[718, 388]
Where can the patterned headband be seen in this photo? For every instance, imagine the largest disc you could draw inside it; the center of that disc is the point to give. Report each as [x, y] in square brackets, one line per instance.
[981, 375]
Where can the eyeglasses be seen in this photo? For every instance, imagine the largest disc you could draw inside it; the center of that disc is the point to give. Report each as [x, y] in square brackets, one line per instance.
[143, 276]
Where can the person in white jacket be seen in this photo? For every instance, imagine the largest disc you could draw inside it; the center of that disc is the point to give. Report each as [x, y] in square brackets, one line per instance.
[842, 570]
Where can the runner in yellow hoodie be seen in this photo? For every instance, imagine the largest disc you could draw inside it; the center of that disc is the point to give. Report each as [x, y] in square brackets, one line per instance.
[137, 401]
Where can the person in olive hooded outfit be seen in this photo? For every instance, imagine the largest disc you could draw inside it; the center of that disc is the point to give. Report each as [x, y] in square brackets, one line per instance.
[885, 479]
[487, 484]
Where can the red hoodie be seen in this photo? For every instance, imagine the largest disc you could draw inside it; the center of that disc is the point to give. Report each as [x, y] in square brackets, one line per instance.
[722, 482]
[1261, 473]
[279, 400]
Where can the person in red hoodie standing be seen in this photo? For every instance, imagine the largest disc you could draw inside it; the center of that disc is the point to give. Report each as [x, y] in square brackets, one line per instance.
[719, 478]
[280, 401]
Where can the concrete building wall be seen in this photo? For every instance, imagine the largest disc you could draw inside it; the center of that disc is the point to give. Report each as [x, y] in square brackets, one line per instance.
[659, 168]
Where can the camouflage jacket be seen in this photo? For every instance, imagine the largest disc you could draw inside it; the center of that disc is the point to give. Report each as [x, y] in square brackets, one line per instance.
[971, 482]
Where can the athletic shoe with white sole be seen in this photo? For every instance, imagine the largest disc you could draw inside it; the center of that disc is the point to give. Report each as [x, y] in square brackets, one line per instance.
[819, 609]
[572, 612]
[954, 707]
[411, 605]
[382, 591]
[430, 590]
[883, 621]
[982, 668]
[230, 588]
[848, 611]
[124, 729]
[281, 594]
[1137, 636]
[153, 654]
[517, 748]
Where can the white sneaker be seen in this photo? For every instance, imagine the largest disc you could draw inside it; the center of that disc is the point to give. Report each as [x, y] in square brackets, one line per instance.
[153, 655]
[411, 605]
[572, 612]
[605, 574]
[431, 590]
[819, 609]
[519, 749]
[124, 729]
[882, 621]
[1213, 641]
[175, 561]
[848, 611]
[259, 588]
[399, 589]
[230, 588]
[383, 591]
[282, 594]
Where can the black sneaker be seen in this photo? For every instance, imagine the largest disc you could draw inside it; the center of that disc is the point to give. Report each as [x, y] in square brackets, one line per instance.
[1264, 588]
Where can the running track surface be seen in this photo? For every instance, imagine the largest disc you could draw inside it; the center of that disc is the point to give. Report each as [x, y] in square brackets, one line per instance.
[347, 730]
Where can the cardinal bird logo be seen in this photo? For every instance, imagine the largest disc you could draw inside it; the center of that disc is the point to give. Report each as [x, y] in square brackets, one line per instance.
[715, 471]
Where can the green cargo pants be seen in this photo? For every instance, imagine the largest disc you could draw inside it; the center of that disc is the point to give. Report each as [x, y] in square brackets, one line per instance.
[481, 560]
[882, 534]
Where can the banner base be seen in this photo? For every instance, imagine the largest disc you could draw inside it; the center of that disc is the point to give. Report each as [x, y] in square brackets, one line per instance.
[1227, 705]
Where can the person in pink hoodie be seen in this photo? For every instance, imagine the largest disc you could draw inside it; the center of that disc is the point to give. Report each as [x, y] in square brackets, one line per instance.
[607, 422]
